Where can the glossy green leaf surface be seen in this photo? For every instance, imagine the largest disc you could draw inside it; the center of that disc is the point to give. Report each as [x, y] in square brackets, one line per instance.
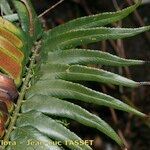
[50, 128]
[87, 56]
[83, 73]
[78, 37]
[50, 106]
[100, 19]
[31, 139]
[65, 89]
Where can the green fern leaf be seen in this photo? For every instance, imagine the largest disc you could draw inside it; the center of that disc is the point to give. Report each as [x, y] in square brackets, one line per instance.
[78, 37]
[28, 18]
[86, 56]
[51, 105]
[56, 74]
[31, 135]
[50, 127]
[83, 73]
[65, 89]
[92, 21]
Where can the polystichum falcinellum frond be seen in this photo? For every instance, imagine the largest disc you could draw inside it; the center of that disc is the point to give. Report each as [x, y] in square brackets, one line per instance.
[51, 81]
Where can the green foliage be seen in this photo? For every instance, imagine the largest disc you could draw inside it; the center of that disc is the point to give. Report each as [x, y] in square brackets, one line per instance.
[57, 77]
[86, 56]
[82, 73]
[92, 21]
[78, 37]
[28, 132]
[28, 18]
[5, 8]
[51, 105]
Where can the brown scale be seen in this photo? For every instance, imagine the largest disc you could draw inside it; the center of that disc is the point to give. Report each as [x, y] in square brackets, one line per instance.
[8, 93]
[11, 49]
[11, 37]
[9, 65]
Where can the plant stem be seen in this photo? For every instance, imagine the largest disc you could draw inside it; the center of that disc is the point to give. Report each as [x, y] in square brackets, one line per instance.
[49, 9]
[21, 97]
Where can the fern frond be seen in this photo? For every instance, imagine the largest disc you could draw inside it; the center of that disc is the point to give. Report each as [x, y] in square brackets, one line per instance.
[78, 37]
[87, 56]
[28, 18]
[51, 105]
[50, 127]
[65, 89]
[101, 19]
[32, 135]
[56, 74]
[82, 73]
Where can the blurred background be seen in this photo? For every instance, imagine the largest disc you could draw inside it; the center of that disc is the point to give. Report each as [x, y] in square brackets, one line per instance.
[134, 131]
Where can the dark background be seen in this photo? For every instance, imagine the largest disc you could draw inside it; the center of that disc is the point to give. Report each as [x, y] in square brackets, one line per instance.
[135, 131]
